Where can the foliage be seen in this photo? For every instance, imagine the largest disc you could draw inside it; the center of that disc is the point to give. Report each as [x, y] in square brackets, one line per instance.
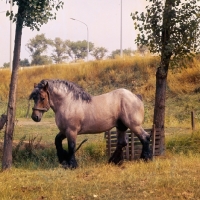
[60, 50]
[35, 13]
[78, 50]
[99, 52]
[185, 144]
[24, 62]
[142, 49]
[6, 65]
[116, 53]
[37, 46]
[183, 28]
[33, 154]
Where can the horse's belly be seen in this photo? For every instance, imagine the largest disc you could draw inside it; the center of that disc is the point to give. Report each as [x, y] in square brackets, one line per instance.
[96, 127]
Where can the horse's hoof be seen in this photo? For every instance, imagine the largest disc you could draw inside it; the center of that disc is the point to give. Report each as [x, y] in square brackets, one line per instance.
[117, 157]
[73, 165]
[64, 164]
[69, 165]
[146, 157]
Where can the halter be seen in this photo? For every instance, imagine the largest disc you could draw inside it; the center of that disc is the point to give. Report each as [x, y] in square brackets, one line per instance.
[46, 108]
[41, 109]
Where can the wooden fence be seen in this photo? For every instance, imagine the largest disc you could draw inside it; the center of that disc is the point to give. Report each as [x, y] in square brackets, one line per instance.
[134, 147]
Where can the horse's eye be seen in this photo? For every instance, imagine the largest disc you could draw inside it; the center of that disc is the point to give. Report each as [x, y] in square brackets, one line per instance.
[42, 98]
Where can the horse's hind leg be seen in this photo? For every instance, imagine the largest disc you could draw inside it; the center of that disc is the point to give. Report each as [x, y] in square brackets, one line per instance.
[144, 138]
[117, 156]
[61, 153]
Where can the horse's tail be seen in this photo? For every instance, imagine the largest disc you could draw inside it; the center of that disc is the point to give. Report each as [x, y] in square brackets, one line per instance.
[81, 144]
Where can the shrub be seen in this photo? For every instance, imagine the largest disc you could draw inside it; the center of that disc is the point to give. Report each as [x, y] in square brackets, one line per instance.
[185, 144]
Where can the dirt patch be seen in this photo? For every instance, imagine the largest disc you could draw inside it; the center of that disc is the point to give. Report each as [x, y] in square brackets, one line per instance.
[28, 121]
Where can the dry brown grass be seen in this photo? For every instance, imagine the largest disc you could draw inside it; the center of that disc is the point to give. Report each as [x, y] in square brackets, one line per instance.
[173, 177]
[185, 81]
[134, 73]
[170, 177]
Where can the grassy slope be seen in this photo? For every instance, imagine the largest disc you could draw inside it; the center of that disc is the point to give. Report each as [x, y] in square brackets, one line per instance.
[136, 74]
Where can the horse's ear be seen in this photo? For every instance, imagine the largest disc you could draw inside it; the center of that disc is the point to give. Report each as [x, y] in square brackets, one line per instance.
[45, 86]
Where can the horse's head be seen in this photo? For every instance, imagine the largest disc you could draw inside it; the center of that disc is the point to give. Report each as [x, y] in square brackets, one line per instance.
[40, 95]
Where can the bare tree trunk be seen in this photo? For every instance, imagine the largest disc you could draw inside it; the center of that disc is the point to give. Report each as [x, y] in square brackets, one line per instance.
[11, 109]
[161, 75]
[159, 109]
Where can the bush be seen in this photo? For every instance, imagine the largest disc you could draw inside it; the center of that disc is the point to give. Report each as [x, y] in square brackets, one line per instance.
[34, 155]
[185, 144]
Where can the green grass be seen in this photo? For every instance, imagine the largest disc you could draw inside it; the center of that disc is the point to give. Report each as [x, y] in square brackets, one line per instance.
[184, 143]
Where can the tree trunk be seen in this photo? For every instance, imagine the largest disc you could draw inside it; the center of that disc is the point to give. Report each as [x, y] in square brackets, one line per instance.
[11, 109]
[159, 109]
[161, 76]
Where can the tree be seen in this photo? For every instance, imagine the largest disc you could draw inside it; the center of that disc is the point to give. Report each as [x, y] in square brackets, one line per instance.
[24, 63]
[59, 51]
[6, 65]
[170, 30]
[37, 46]
[116, 53]
[32, 14]
[99, 52]
[142, 49]
[78, 50]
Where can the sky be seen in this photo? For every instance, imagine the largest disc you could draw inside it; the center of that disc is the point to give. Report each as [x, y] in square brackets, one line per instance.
[101, 16]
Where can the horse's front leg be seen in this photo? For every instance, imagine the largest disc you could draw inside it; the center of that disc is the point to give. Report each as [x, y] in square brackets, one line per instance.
[72, 149]
[61, 153]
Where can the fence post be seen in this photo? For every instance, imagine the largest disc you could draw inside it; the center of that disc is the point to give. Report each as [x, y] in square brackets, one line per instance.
[132, 145]
[127, 147]
[192, 120]
[153, 140]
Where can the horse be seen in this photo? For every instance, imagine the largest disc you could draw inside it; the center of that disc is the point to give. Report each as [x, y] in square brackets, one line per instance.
[3, 120]
[78, 112]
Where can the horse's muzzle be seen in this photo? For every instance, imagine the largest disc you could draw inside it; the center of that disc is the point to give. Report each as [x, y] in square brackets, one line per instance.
[36, 116]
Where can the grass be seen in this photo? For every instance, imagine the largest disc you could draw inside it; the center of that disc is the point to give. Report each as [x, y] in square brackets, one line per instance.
[36, 173]
[161, 179]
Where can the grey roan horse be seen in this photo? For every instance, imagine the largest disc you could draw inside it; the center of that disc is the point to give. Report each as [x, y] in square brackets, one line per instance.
[77, 112]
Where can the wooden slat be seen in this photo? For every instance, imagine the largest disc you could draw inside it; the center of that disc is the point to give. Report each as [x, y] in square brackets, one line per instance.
[134, 147]
[109, 144]
[128, 153]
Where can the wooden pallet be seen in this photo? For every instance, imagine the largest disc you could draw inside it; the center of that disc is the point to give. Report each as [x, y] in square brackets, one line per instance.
[134, 147]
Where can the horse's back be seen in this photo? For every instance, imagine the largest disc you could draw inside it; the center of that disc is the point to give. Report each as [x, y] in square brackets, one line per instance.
[117, 103]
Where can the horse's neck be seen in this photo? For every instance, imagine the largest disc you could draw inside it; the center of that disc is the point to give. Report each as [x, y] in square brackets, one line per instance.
[58, 98]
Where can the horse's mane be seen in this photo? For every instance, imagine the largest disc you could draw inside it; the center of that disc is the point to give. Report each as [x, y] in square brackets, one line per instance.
[77, 91]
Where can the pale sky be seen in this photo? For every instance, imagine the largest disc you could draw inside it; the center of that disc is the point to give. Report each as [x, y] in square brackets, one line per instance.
[101, 16]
